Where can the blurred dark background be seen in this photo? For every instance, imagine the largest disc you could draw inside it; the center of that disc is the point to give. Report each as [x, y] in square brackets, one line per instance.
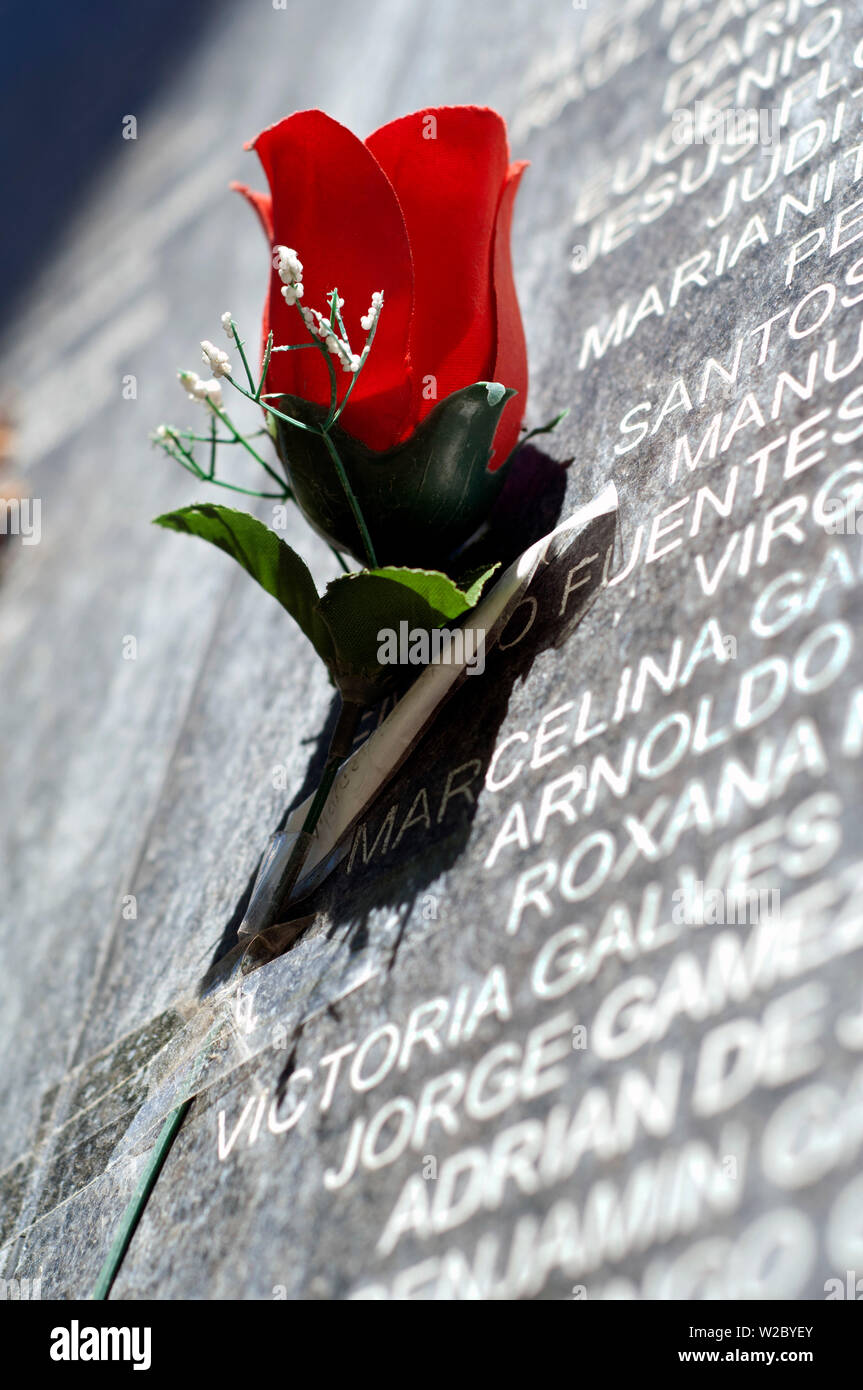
[68, 75]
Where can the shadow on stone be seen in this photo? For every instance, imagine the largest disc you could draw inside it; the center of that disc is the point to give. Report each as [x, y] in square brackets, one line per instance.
[435, 789]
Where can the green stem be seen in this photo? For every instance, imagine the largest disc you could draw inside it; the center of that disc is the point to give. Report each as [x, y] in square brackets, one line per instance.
[354, 504]
[248, 370]
[298, 424]
[185, 460]
[284, 496]
[220, 438]
[135, 1209]
[334, 386]
[268, 352]
[147, 1181]
[195, 471]
[186, 454]
[241, 439]
[341, 323]
[366, 350]
[335, 411]
[316, 342]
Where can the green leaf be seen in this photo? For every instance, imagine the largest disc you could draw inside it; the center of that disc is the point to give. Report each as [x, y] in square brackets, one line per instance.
[420, 500]
[265, 556]
[473, 584]
[439, 591]
[343, 624]
[357, 607]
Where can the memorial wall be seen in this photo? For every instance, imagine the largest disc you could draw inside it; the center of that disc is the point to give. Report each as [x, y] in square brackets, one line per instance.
[575, 1008]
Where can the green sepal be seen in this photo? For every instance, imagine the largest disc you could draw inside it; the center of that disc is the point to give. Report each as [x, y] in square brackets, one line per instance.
[420, 500]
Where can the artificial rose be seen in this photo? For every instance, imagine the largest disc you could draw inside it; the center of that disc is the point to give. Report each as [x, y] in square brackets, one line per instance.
[421, 210]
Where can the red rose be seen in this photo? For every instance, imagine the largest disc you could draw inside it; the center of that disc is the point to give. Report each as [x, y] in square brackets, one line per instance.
[421, 210]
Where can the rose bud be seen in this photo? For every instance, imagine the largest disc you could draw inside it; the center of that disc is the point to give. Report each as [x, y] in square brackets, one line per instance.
[422, 211]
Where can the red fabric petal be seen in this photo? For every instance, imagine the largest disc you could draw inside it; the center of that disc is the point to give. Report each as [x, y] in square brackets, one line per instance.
[448, 166]
[510, 364]
[261, 202]
[336, 207]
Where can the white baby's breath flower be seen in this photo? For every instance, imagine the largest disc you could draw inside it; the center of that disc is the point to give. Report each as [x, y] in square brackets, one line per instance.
[368, 321]
[189, 382]
[213, 392]
[288, 264]
[337, 346]
[226, 324]
[198, 390]
[317, 323]
[215, 358]
[320, 325]
[290, 271]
